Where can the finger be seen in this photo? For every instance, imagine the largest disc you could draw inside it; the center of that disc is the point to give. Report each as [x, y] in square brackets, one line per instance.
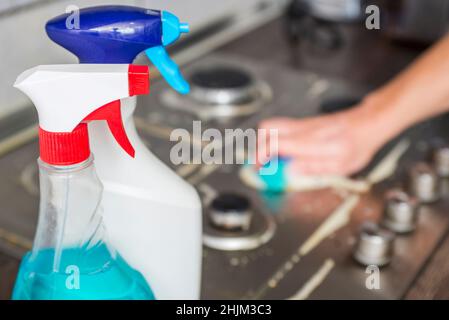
[308, 147]
[288, 126]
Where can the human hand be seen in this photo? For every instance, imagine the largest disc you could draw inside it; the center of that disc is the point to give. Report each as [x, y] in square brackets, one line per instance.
[336, 144]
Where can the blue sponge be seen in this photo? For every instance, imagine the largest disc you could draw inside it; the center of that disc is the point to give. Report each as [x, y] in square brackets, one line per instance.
[276, 182]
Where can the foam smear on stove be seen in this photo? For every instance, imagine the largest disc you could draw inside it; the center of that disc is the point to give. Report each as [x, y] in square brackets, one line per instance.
[250, 177]
[338, 219]
[389, 163]
[341, 216]
[315, 281]
[384, 169]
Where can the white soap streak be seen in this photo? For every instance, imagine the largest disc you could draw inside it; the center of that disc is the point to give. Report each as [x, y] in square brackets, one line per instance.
[160, 132]
[248, 175]
[300, 183]
[338, 219]
[202, 173]
[308, 183]
[386, 168]
[318, 88]
[383, 170]
[315, 281]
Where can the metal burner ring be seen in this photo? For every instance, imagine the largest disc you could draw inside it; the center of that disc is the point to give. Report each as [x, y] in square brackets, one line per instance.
[244, 242]
[261, 94]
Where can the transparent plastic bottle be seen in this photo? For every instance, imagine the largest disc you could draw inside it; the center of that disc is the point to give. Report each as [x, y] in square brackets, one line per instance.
[71, 258]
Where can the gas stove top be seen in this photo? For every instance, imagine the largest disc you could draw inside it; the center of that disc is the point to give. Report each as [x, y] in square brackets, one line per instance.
[254, 242]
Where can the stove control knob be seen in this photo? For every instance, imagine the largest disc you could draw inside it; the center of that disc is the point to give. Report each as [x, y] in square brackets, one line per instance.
[441, 160]
[374, 245]
[230, 212]
[424, 184]
[400, 211]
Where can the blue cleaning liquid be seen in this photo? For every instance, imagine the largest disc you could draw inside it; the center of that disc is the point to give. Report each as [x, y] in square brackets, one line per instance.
[85, 274]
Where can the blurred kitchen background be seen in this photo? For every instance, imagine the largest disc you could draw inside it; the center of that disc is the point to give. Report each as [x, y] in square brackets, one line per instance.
[25, 44]
[291, 58]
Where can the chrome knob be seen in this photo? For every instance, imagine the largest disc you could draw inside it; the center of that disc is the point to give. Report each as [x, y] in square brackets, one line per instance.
[374, 245]
[400, 211]
[441, 161]
[424, 184]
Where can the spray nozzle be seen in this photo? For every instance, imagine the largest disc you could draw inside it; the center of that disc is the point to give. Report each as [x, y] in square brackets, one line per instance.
[171, 31]
[69, 96]
[172, 28]
[117, 34]
[184, 27]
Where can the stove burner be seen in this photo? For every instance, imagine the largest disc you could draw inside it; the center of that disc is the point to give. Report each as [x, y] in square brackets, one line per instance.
[231, 212]
[221, 78]
[220, 91]
[231, 202]
[234, 225]
[222, 85]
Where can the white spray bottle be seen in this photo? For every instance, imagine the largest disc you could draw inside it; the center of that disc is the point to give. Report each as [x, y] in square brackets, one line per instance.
[153, 216]
[72, 256]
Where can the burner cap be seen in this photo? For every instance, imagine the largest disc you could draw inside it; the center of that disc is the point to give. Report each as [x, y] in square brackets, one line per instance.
[230, 202]
[221, 78]
[234, 224]
[230, 211]
[222, 85]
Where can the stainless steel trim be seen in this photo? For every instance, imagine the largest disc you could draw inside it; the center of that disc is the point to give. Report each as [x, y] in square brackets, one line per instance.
[233, 220]
[249, 242]
[261, 95]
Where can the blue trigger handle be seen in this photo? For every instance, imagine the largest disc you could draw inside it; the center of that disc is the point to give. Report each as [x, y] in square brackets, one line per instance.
[168, 69]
